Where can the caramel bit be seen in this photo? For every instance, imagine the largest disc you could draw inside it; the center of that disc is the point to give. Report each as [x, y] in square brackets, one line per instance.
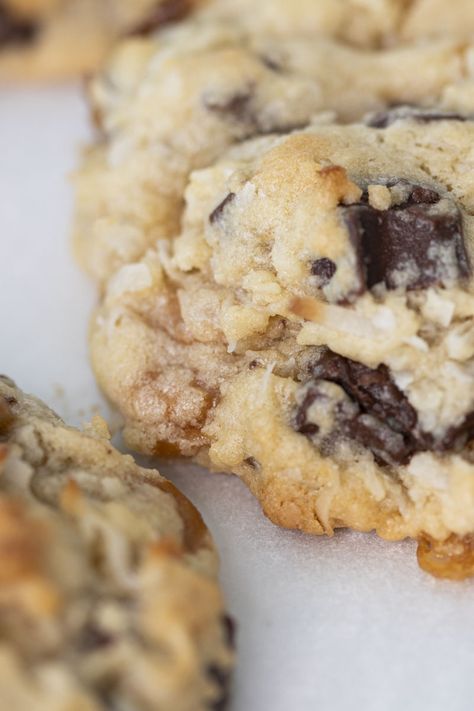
[195, 531]
[6, 416]
[306, 308]
[3, 454]
[166, 450]
[70, 498]
[452, 559]
[21, 542]
[167, 548]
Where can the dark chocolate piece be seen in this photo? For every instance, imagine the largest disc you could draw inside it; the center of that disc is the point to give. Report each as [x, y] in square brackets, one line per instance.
[223, 677]
[271, 63]
[412, 245]
[217, 213]
[236, 106]
[15, 30]
[93, 638]
[324, 269]
[373, 389]
[165, 13]
[383, 422]
[383, 119]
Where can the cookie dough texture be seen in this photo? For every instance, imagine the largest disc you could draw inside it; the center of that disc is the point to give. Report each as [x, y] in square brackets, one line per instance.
[108, 597]
[172, 103]
[270, 339]
[57, 39]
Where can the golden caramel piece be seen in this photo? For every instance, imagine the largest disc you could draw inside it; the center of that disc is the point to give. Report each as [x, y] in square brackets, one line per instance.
[452, 559]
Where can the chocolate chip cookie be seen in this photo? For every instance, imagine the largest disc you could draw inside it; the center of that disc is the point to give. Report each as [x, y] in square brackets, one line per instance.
[108, 596]
[310, 328]
[55, 39]
[171, 103]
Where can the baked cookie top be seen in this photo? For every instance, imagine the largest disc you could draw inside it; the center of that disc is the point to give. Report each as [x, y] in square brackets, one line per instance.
[311, 325]
[174, 102]
[56, 39]
[108, 597]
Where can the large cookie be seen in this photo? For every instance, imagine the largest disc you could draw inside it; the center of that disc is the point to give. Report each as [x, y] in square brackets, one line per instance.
[56, 39]
[311, 326]
[108, 596]
[171, 103]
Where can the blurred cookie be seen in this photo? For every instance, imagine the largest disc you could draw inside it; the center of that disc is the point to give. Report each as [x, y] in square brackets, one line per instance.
[108, 596]
[57, 39]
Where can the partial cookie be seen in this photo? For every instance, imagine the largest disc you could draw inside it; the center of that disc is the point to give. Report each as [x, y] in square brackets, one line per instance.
[311, 327]
[173, 103]
[437, 18]
[108, 596]
[56, 39]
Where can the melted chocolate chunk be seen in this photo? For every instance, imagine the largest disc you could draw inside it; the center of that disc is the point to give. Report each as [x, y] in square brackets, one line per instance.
[383, 119]
[163, 14]
[217, 213]
[412, 245]
[15, 30]
[324, 269]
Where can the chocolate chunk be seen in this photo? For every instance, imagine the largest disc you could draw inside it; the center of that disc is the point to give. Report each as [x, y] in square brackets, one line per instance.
[228, 625]
[383, 119]
[236, 106]
[222, 678]
[271, 63]
[383, 420]
[457, 437]
[15, 30]
[93, 638]
[413, 245]
[375, 413]
[373, 389]
[387, 446]
[324, 269]
[252, 463]
[217, 213]
[163, 14]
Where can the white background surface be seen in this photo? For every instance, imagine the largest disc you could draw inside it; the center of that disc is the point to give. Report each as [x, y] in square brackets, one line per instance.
[326, 625]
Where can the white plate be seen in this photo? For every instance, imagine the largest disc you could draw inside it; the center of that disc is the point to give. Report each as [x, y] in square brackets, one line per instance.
[324, 625]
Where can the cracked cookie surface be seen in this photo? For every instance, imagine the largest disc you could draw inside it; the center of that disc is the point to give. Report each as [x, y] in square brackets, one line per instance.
[310, 326]
[108, 594]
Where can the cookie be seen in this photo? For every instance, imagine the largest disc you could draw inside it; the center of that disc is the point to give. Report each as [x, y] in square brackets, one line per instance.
[310, 328]
[108, 594]
[172, 103]
[57, 39]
